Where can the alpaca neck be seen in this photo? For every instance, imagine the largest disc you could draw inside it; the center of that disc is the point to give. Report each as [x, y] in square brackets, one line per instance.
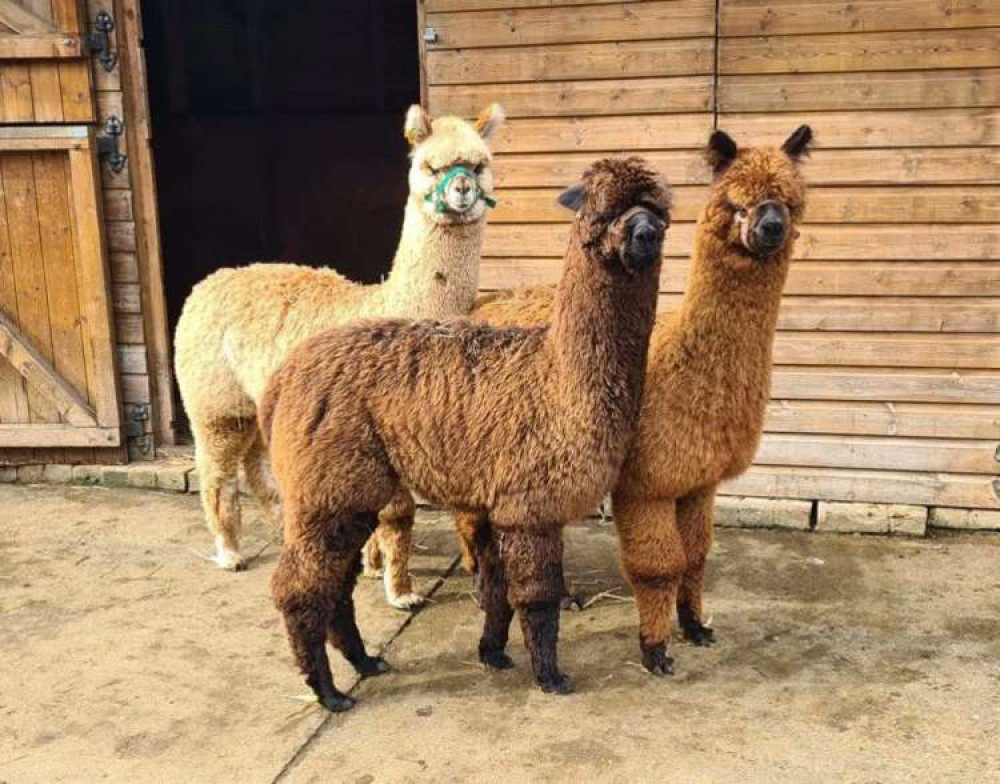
[600, 329]
[435, 272]
[725, 328]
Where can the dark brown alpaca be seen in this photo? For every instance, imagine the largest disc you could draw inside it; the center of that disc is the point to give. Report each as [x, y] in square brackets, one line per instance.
[525, 426]
[707, 385]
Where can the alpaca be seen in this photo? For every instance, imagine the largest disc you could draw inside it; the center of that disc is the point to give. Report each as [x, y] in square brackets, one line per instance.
[239, 324]
[525, 425]
[707, 386]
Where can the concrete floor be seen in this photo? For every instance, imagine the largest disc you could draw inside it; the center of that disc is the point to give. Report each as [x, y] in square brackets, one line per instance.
[126, 658]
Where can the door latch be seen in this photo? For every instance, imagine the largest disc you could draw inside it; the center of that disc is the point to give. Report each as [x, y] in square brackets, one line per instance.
[107, 145]
[99, 41]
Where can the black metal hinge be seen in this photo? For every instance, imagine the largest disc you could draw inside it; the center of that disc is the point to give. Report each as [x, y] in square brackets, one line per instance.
[99, 41]
[107, 145]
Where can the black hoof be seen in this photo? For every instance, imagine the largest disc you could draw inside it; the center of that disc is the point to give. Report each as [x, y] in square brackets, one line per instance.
[656, 661]
[372, 666]
[496, 660]
[337, 703]
[561, 684]
[701, 635]
[571, 603]
[242, 566]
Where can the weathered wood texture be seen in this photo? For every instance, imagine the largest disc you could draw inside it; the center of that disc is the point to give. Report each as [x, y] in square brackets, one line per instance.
[44, 71]
[57, 370]
[46, 97]
[887, 384]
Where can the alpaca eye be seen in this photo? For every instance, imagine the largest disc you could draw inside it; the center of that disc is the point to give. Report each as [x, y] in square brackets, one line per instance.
[479, 168]
[432, 170]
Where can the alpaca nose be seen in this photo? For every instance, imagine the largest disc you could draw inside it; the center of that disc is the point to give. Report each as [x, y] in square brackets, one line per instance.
[645, 234]
[772, 229]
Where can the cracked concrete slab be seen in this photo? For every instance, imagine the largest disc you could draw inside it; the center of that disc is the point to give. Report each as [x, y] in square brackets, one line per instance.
[839, 659]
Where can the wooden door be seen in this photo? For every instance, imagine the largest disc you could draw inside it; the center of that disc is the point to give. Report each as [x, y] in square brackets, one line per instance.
[57, 372]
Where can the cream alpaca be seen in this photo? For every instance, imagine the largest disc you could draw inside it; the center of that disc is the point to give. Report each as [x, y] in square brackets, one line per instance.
[238, 325]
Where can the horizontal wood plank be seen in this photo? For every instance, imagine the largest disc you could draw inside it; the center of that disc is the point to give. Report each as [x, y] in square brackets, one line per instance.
[923, 385]
[844, 53]
[562, 99]
[914, 420]
[895, 128]
[42, 435]
[879, 90]
[880, 314]
[440, 6]
[826, 278]
[790, 17]
[41, 47]
[626, 21]
[903, 454]
[827, 204]
[832, 484]
[605, 134]
[622, 59]
[887, 350]
[916, 166]
[847, 242]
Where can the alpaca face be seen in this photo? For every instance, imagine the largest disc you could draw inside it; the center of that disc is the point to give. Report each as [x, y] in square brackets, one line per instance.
[451, 179]
[623, 212]
[758, 197]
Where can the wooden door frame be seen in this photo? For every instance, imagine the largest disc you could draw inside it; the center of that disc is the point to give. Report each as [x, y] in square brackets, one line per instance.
[138, 129]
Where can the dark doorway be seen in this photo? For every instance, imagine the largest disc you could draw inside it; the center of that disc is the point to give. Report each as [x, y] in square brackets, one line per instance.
[277, 132]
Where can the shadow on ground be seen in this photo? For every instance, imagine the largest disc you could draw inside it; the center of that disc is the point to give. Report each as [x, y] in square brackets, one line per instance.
[127, 658]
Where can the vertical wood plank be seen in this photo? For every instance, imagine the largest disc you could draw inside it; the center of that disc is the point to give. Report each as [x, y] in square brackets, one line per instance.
[46, 92]
[26, 253]
[58, 252]
[13, 394]
[15, 92]
[68, 15]
[94, 286]
[75, 88]
[150, 266]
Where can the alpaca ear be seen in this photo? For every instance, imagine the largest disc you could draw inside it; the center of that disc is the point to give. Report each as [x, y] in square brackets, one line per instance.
[418, 125]
[721, 151]
[572, 197]
[489, 120]
[797, 145]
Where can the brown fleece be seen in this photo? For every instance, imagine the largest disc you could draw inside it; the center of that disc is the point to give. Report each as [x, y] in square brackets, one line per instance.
[525, 426]
[707, 388]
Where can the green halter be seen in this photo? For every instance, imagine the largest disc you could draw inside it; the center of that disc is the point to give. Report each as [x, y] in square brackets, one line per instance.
[438, 195]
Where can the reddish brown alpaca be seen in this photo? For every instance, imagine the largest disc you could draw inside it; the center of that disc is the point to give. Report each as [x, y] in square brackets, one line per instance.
[707, 384]
[527, 426]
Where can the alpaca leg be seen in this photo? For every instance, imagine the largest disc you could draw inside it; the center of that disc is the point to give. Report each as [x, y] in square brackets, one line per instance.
[260, 480]
[493, 600]
[532, 561]
[467, 523]
[394, 540]
[219, 447]
[652, 558]
[694, 519]
[343, 631]
[311, 587]
[371, 558]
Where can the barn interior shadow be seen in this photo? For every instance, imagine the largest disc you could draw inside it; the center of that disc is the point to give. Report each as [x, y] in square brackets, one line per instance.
[277, 133]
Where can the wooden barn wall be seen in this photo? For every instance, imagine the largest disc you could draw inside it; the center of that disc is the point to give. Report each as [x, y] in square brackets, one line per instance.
[887, 377]
[35, 93]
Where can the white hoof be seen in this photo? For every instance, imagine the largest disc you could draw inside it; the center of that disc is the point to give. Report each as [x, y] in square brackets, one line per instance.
[407, 601]
[227, 559]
